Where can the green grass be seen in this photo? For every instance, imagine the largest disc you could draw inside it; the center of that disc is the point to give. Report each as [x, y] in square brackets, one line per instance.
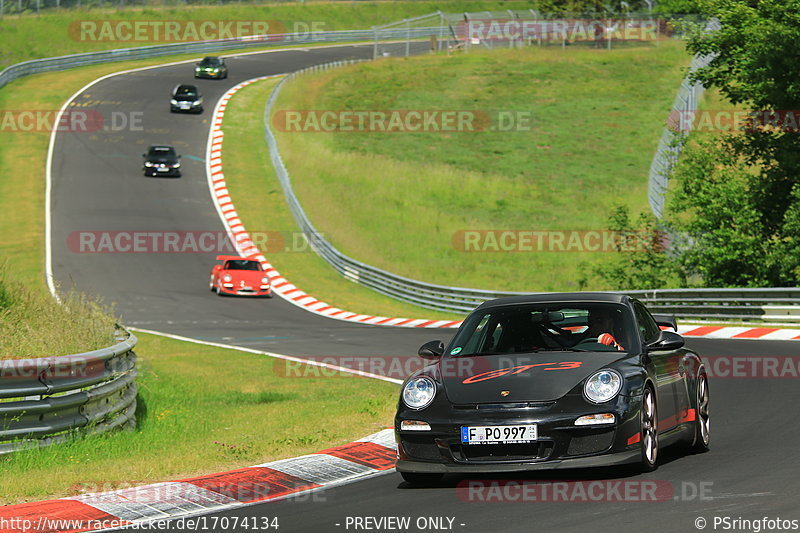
[260, 203]
[196, 415]
[32, 324]
[23, 155]
[179, 421]
[396, 200]
[30, 36]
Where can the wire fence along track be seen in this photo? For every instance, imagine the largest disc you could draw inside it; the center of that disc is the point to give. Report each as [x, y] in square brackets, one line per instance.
[679, 123]
[51, 399]
[774, 305]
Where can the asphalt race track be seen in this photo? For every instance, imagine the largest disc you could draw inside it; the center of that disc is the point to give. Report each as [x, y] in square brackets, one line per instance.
[98, 186]
[751, 472]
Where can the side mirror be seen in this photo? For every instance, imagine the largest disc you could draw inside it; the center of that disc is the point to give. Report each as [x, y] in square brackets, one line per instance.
[144, 155]
[431, 350]
[179, 157]
[666, 341]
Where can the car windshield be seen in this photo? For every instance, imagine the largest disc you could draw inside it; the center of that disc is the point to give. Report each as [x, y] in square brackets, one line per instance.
[211, 62]
[186, 91]
[242, 265]
[531, 328]
[162, 151]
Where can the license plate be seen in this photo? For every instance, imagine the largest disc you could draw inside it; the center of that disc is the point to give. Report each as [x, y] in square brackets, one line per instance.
[499, 434]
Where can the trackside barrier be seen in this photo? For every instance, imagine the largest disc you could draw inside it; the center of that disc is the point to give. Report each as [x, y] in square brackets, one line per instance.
[48, 400]
[51, 64]
[772, 305]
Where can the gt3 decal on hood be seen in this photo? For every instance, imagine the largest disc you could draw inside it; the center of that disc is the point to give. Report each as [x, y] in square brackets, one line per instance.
[492, 374]
[530, 377]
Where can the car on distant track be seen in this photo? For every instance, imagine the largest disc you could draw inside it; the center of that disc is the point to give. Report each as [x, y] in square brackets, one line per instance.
[211, 67]
[239, 276]
[161, 160]
[186, 98]
[549, 381]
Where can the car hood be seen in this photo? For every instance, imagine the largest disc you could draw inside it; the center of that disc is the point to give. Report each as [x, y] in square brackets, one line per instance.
[250, 277]
[185, 98]
[166, 160]
[534, 377]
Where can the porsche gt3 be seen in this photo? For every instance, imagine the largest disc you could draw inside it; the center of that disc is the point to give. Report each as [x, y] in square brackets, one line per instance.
[239, 276]
[552, 381]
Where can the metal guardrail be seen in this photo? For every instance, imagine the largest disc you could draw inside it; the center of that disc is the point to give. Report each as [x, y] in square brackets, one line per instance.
[773, 305]
[51, 399]
[51, 64]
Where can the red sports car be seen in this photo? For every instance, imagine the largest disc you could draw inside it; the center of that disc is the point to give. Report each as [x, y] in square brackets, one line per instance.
[241, 276]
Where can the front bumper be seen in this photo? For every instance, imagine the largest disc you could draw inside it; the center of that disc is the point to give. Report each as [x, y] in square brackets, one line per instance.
[560, 444]
[208, 75]
[186, 109]
[162, 171]
[264, 293]
[610, 459]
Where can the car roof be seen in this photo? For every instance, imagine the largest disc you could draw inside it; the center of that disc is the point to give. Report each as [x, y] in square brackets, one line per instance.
[185, 87]
[557, 297]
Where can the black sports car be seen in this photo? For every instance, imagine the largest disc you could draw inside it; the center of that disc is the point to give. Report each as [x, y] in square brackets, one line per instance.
[161, 160]
[186, 98]
[552, 381]
[211, 67]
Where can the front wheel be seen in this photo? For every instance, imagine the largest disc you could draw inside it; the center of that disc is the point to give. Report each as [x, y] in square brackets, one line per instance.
[648, 416]
[421, 479]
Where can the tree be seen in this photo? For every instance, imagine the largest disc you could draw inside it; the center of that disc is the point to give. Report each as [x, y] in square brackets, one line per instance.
[640, 262]
[738, 197]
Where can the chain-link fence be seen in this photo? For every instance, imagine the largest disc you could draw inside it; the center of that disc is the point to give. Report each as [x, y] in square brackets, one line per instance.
[679, 123]
[519, 28]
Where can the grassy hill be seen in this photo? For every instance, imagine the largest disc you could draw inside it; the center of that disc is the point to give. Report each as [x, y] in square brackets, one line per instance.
[403, 200]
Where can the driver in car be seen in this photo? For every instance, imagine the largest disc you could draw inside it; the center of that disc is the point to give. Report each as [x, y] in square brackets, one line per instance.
[601, 326]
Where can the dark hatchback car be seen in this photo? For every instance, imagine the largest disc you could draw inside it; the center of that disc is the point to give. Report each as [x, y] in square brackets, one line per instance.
[211, 67]
[161, 160]
[550, 381]
[186, 98]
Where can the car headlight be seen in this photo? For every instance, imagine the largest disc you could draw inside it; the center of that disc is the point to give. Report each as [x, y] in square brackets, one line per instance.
[419, 392]
[148, 164]
[176, 165]
[265, 280]
[198, 69]
[227, 278]
[173, 102]
[602, 386]
[197, 102]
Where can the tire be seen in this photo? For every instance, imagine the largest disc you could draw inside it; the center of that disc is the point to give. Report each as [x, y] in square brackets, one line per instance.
[421, 480]
[702, 435]
[648, 424]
